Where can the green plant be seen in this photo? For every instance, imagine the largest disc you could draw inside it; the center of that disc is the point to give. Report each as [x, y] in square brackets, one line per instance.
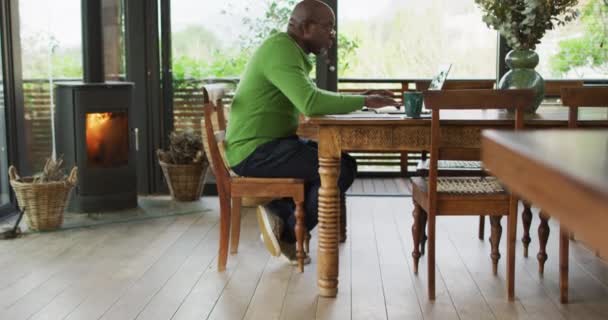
[185, 147]
[524, 22]
[275, 19]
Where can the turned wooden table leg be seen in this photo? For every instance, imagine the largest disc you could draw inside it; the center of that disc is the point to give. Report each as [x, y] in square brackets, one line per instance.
[543, 236]
[526, 218]
[329, 210]
[495, 235]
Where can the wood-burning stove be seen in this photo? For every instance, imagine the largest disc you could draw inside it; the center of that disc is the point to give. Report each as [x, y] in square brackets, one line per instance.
[93, 128]
[93, 131]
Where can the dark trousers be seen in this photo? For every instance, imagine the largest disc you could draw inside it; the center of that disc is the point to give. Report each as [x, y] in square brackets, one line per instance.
[293, 157]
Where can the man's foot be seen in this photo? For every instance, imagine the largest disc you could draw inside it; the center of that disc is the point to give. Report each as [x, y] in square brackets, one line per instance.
[288, 251]
[271, 227]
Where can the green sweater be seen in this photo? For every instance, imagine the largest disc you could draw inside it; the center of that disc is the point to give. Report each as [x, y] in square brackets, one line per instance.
[274, 89]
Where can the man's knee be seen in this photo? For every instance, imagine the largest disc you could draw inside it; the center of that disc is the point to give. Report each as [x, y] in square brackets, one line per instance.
[348, 170]
[349, 161]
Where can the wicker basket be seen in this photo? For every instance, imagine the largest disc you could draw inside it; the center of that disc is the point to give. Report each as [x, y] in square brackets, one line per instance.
[44, 202]
[185, 181]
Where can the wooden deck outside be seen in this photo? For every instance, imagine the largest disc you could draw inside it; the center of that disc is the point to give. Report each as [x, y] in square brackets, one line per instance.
[165, 269]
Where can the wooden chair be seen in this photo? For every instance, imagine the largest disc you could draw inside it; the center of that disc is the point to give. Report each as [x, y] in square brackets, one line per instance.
[232, 188]
[552, 91]
[574, 98]
[450, 167]
[467, 168]
[458, 196]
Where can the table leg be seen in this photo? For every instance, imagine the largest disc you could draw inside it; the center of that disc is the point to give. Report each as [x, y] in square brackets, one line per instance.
[329, 210]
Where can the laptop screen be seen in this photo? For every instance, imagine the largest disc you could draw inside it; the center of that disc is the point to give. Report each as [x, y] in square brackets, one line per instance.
[439, 79]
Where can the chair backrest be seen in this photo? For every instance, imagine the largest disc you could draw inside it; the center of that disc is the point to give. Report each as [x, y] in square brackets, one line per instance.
[467, 100]
[422, 85]
[553, 88]
[574, 98]
[213, 140]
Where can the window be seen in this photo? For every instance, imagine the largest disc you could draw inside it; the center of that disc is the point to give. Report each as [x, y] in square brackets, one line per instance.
[216, 45]
[580, 48]
[410, 39]
[113, 39]
[51, 45]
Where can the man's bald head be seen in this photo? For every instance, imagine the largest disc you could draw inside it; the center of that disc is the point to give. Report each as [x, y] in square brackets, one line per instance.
[309, 10]
[312, 25]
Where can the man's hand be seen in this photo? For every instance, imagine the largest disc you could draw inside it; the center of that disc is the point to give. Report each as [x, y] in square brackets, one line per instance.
[377, 101]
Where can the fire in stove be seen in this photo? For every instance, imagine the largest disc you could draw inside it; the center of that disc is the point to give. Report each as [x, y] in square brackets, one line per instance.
[107, 139]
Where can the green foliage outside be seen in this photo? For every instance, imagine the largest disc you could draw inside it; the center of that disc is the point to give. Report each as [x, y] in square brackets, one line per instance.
[591, 49]
[393, 44]
[64, 62]
[212, 61]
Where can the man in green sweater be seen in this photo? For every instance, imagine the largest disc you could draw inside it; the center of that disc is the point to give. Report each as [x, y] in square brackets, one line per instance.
[261, 137]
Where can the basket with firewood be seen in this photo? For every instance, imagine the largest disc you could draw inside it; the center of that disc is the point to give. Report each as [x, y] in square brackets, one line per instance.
[44, 195]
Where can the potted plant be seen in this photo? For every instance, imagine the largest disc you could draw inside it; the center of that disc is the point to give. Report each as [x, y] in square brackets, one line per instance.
[523, 23]
[44, 196]
[184, 165]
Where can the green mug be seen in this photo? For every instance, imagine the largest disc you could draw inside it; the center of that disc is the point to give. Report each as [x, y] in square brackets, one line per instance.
[412, 102]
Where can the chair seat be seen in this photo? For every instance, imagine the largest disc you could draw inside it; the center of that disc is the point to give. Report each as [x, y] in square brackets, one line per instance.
[469, 185]
[252, 180]
[463, 185]
[452, 168]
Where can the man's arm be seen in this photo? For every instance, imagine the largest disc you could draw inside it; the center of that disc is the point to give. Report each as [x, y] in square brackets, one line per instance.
[289, 75]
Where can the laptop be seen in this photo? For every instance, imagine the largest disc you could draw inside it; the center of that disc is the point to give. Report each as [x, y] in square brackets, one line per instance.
[436, 84]
[438, 80]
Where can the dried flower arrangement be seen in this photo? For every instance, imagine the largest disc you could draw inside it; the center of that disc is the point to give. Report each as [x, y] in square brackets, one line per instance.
[52, 171]
[184, 165]
[185, 147]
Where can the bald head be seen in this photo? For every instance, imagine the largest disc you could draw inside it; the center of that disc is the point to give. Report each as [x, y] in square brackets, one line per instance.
[309, 10]
[312, 25]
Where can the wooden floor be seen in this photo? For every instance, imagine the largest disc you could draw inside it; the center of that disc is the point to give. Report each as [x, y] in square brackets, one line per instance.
[380, 187]
[165, 269]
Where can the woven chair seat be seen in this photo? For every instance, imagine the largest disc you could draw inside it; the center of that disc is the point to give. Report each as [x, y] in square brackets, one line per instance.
[451, 165]
[469, 185]
[456, 164]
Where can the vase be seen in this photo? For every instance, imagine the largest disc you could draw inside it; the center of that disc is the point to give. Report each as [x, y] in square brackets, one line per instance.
[523, 76]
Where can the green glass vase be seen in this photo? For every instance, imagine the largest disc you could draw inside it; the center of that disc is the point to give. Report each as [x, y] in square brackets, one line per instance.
[523, 76]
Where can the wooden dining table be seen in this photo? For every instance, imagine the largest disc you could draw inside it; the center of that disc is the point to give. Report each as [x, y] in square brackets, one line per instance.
[573, 163]
[390, 133]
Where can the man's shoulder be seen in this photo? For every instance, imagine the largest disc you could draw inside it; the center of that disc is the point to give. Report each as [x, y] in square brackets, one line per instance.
[278, 42]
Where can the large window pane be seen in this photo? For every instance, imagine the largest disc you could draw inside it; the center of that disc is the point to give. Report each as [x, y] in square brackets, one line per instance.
[410, 39]
[215, 47]
[52, 51]
[580, 48]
